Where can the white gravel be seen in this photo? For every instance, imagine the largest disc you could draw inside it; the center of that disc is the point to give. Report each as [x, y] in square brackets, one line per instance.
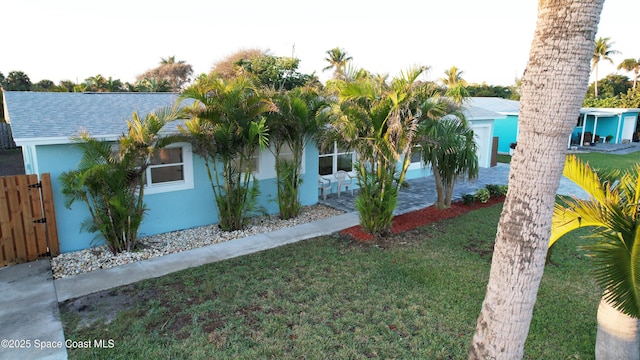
[100, 257]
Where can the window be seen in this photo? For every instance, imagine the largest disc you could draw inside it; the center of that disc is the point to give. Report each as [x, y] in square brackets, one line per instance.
[254, 162]
[580, 120]
[334, 159]
[170, 169]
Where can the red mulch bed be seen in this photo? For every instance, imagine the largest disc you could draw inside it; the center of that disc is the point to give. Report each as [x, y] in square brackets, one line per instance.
[422, 217]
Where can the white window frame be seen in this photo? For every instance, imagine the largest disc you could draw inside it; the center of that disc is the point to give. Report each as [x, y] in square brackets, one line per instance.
[187, 170]
[334, 162]
[268, 163]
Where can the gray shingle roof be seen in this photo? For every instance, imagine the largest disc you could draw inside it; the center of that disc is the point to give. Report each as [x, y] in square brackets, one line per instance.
[495, 104]
[47, 115]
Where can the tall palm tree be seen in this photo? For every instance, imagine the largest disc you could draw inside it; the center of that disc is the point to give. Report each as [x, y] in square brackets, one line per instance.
[337, 59]
[379, 122]
[453, 76]
[631, 64]
[227, 129]
[553, 88]
[603, 50]
[447, 144]
[293, 126]
[612, 208]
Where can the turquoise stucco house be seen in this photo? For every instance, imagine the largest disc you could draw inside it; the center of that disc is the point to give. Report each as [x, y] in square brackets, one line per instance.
[506, 123]
[43, 124]
[610, 125]
[594, 125]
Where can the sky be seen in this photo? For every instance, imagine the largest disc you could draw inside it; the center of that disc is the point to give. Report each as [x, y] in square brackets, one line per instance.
[488, 40]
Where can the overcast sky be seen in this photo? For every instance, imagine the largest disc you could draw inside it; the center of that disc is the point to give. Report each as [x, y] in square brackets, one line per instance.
[488, 40]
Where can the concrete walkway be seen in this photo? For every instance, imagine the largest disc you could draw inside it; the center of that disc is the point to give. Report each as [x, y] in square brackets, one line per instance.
[30, 326]
[29, 302]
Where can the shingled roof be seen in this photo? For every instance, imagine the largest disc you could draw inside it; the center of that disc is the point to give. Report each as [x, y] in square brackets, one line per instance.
[50, 117]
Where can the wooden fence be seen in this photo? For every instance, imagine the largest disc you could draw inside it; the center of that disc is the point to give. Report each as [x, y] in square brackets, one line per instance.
[27, 219]
[6, 138]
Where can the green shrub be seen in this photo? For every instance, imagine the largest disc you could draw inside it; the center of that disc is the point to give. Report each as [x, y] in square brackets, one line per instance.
[468, 199]
[483, 195]
[494, 190]
[503, 190]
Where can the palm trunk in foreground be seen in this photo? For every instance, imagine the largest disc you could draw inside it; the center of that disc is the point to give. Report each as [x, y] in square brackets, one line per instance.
[618, 334]
[553, 87]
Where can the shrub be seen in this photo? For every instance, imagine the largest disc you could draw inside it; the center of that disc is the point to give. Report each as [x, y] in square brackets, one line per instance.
[468, 199]
[483, 195]
[494, 190]
[503, 190]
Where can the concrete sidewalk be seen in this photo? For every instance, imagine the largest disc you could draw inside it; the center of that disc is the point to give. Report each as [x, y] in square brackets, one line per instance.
[30, 326]
[91, 282]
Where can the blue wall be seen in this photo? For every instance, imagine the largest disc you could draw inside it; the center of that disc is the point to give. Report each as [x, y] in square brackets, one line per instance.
[170, 211]
[507, 132]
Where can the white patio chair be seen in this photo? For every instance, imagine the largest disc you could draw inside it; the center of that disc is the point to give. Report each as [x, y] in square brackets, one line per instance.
[344, 179]
[324, 184]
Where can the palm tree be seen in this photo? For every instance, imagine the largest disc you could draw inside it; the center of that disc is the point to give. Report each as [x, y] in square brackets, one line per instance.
[553, 88]
[111, 184]
[337, 59]
[293, 126]
[453, 77]
[602, 51]
[227, 129]
[631, 64]
[96, 83]
[170, 60]
[379, 122]
[612, 208]
[447, 144]
[17, 81]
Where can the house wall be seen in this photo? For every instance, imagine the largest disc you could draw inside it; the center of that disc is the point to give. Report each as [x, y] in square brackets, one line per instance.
[507, 132]
[483, 132]
[169, 211]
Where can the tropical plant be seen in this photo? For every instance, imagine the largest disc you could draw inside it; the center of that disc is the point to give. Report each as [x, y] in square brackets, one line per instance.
[483, 195]
[111, 183]
[553, 87]
[612, 209]
[603, 51]
[153, 84]
[453, 76]
[379, 121]
[227, 129]
[17, 81]
[174, 75]
[291, 128]
[629, 65]
[447, 144]
[338, 60]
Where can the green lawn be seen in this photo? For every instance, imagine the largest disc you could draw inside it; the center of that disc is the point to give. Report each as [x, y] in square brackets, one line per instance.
[417, 295]
[610, 161]
[598, 160]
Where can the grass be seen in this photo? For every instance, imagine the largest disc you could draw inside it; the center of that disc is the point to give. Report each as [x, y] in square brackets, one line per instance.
[504, 158]
[598, 160]
[604, 161]
[416, 295]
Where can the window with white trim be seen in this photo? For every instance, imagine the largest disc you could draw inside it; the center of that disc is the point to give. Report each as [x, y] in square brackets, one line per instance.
[170, 169]
[333, 159]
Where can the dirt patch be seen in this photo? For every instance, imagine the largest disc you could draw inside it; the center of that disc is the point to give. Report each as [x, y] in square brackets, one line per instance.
[105, 305]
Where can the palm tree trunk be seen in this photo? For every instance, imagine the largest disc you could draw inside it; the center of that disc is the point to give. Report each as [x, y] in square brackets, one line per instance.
[439, 186]
[553, 87]
[618, 334]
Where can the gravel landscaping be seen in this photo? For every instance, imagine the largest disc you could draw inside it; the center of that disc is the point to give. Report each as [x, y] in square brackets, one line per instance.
[100, 257]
